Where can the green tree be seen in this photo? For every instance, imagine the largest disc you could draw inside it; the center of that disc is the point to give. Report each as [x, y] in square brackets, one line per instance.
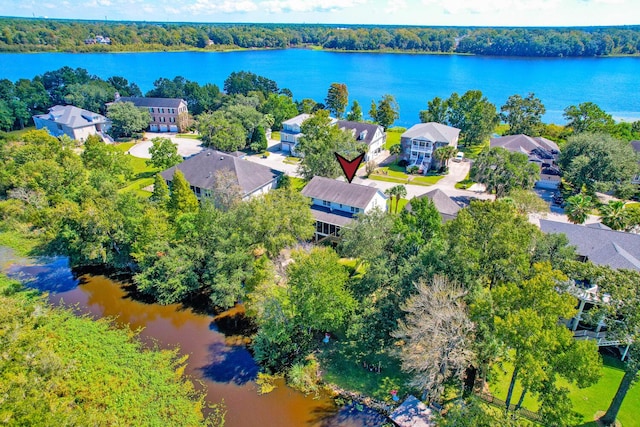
[437, 111]
[597, 161]
[127, 119]
[182, 198]
[6, 116]
[259, 140]
[614, 215]
[243, 82]
[355, 114]
[501, 170]
[523, 115]
[281, 107]
[318, 144]
[578, 207]
[397, 192]
[526, 322]
[160, 193]
[588, 117]
[622, 285]
[337, 99]
[444, 154]
[474, 115]
[319, 297]
[98, 155]
[386, 112]
[91, 96]
[436, 336]
[220, 133]
[527, 201]
[164, 153]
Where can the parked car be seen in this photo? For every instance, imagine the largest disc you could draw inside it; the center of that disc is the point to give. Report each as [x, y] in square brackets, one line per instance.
[459, 157]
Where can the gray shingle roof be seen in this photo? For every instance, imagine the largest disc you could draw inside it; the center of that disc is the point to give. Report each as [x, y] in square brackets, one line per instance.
[73, 117]
[433, 132]
[600, 245]
[444, 204]
[200, 171]
[151, 102]
[524, 144]
[368, 130]
[355, 195]
[636, 146]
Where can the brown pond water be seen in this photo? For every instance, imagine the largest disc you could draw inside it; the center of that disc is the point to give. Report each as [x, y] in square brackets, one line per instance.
[225, 369]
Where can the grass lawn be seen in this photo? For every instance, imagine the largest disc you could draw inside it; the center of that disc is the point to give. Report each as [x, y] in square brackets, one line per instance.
[189, 136]
[17, 134]
[393, 136]
[350, 264]
[586, 401]
[472, 151]
[297, 183]
[143, 174]
[275, 135]
[465, 183]
[23, 244]
[291, 160]
[340, 367]
[391, 204]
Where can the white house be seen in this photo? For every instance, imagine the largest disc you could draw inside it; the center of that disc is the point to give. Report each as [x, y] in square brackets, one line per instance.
[74, 122]
[290, 133]
[421, 140]
[372, 135]
[335, 203]
[200, 171]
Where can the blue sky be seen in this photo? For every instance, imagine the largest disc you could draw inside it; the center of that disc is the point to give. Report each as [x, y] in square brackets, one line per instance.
[409, 12]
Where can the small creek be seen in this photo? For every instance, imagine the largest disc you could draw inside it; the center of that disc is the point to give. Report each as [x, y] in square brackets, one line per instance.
[217, 356]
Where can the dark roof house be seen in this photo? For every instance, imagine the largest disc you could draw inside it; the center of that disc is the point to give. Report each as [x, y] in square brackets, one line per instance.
[599, 244]
[140, 101]
[200, 171]
[444, 204]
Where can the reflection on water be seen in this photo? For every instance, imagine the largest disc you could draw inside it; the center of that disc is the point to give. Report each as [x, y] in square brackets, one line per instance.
[222, 363]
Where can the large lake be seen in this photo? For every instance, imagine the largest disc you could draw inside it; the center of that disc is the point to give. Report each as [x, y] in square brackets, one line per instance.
[612, 83]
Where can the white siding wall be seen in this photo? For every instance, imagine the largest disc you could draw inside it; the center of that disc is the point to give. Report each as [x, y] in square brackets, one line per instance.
[334, 206]
[379, 201]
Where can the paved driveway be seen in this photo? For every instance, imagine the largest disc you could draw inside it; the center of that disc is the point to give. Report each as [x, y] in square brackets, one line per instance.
[186, 147]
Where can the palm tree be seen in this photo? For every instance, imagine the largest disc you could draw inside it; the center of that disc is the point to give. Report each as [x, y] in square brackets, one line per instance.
[614, 215]
[578, 208]
[444, 154]
[398, 191]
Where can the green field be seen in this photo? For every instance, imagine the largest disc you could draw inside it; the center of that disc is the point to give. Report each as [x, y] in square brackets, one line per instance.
[393, 136]
[586, 401]
[143, 174]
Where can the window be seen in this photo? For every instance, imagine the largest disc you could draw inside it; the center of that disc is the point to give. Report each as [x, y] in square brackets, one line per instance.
[326, 203]
[161, 110]
[355, 210]
[151, 109]
[340, 205]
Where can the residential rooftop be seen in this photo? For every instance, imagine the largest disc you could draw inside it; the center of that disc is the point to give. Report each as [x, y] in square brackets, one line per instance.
[200, 171]
[139, 101]
[432, 131]
[72, 117]
[335, 191]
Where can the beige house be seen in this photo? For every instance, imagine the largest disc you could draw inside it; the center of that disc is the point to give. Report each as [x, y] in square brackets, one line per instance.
[74, 122]
[167, 114]
[421, 140]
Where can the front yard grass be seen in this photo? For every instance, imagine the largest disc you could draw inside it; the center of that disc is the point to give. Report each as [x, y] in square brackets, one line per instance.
[586, 401]
[189, 136]
[342, 368]
[143, 174]
[472, 151]
[393, 136]
[465, 183]
[297, 183]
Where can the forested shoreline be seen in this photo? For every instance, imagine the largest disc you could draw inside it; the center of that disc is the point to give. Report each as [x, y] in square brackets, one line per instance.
[45, 35]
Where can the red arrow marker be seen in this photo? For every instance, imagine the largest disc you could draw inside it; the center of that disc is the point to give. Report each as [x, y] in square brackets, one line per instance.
[349, 167]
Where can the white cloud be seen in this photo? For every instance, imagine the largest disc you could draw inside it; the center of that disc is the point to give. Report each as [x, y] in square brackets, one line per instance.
[279, 6]
[394, 6]
[223, 6]
[456, 7]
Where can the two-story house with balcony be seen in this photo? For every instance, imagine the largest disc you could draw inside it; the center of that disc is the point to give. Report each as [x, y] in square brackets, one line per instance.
[290, 133]
[421, 140]
[602, 246]
[167, 114]
[373, 136]
[334, 204]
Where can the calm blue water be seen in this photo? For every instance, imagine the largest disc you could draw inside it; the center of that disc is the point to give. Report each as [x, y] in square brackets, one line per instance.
[612, 83]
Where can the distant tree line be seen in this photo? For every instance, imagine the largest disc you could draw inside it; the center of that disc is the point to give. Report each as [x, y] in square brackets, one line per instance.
[29, 35]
